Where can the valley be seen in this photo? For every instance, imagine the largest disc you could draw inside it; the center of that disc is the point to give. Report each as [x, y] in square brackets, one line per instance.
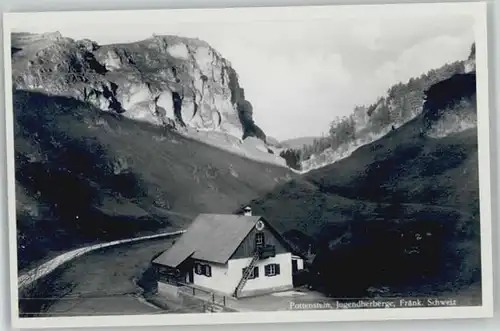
[127, 140]
[405, 207]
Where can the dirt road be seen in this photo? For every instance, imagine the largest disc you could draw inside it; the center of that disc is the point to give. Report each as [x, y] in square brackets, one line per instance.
[101, 282]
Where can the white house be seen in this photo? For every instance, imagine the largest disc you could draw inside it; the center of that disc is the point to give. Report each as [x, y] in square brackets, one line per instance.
[232, 255]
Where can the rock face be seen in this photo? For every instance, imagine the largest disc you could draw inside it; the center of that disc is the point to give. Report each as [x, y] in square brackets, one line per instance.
[470, 63]
[163, 80]
[450, 105]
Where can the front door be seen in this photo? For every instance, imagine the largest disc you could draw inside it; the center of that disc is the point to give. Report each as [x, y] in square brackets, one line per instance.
[294, 266]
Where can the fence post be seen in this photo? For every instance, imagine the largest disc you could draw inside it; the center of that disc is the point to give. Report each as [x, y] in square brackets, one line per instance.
[224, 300]
[213, 298]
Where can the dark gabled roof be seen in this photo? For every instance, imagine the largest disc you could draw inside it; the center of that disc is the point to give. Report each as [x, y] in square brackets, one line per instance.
[211, 237]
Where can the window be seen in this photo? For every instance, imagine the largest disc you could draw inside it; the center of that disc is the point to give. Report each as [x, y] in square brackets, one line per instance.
[164, 271]
[253, 274]
[203, 269]
[208, 270]
[272, 269]
[259, 239]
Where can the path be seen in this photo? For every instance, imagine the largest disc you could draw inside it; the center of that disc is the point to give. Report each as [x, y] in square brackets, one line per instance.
[100, 282]
[49, 266]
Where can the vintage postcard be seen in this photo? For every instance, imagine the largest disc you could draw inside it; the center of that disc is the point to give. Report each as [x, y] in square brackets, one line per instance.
[248, 165]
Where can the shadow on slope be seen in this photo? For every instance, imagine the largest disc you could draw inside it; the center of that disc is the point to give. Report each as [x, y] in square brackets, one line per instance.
[83, 175]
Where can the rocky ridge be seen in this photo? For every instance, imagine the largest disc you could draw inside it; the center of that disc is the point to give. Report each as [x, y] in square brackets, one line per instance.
[171, 81]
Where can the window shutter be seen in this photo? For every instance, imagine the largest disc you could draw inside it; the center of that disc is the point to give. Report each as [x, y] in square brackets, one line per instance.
[266, 269]
[208, 271]
[277, 266]
[253, 274]
[197, 269]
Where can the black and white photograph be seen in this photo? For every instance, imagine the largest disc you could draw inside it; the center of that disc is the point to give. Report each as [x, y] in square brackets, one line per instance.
[246, 165]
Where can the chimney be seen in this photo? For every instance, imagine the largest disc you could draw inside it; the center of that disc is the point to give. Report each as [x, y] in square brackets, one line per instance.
[247, 211]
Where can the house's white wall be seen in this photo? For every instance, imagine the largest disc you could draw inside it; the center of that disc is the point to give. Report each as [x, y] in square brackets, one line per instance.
[225, 278]
[218, 281]
[284, 279]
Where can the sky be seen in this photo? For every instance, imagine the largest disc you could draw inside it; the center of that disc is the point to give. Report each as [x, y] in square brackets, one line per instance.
[301, 73]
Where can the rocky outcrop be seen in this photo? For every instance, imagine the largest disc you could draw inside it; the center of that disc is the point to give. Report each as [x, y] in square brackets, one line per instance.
[470, 63]
[440, 96]
[450, 106]
[163, 80]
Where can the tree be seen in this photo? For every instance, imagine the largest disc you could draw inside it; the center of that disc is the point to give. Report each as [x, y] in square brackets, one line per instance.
[406, 108]
[292, 158]
[381, 118]
[472, 55]
[360, 116]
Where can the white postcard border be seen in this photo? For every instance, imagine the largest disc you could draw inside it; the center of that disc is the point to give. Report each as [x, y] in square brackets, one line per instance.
[476, 9]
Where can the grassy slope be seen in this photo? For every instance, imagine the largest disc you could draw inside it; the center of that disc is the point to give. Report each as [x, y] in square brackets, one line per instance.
[403, 211]
[409, 165]
[83, 175]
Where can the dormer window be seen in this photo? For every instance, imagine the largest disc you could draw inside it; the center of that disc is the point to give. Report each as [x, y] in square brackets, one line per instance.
[259, 239]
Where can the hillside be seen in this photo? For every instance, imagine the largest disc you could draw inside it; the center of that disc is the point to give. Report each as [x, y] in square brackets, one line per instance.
[168, 81]
[116, 140]
[402, 212]
[84, 175]
[367, 123]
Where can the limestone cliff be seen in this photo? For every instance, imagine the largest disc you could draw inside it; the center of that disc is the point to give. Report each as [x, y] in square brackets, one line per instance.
[164, 80]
